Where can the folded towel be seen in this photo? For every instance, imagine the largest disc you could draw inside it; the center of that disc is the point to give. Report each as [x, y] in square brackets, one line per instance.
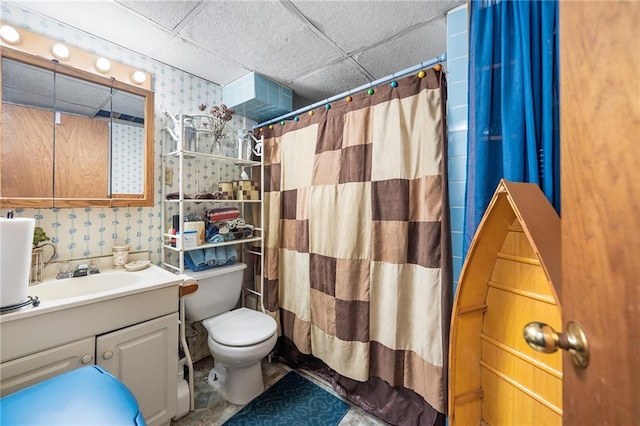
[210, 232]
[229, 237]
[221, 255]
[210, 256]
[204, 196]
[216, 238]
[197, 256]
[176, 195]
[223, 213]
[232, 254]
[189, 263]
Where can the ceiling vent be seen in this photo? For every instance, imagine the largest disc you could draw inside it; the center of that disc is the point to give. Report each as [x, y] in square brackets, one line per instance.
[258, 98]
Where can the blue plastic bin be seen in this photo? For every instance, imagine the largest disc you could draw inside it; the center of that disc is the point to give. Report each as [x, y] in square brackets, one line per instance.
[86, 396]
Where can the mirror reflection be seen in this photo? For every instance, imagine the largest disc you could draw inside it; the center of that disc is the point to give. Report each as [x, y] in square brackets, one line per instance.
[66, 139]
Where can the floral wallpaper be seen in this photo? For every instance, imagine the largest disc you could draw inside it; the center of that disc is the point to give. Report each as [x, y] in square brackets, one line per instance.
[127, 154]
[88, 232]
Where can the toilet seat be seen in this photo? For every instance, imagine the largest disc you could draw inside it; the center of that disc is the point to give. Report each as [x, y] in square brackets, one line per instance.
[240, 327]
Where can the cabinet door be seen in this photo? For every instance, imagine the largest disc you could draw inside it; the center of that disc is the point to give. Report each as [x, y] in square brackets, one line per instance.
[26, 157]
[31, 369]
[145, 358]
[82, 158]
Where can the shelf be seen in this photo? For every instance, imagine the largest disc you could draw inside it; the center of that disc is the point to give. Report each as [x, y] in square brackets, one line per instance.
[208, 200]
[235, 161]
[205, 246]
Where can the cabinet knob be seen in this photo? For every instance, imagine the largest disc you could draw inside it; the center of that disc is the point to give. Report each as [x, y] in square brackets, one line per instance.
[86, 359]
[107, 355]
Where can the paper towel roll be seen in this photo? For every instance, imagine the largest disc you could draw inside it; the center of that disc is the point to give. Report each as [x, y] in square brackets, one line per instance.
[16, 240]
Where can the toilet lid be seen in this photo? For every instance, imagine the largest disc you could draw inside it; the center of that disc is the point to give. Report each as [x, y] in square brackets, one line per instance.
[240, 327]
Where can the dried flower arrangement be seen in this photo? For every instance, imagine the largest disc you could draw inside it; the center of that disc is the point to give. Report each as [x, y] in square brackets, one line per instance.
[221, 115]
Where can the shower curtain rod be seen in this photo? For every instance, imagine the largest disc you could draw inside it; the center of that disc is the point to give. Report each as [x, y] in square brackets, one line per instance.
[377, 82]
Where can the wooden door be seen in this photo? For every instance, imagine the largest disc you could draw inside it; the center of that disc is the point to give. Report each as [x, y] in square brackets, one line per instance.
[600, 157]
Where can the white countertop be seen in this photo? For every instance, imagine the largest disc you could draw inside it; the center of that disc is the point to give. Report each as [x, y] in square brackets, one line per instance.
[151, 278]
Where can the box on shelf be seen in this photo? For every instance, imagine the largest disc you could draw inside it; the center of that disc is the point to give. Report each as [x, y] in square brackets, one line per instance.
[246, 190]
[197, 226]
[226, 188]
[190, 239]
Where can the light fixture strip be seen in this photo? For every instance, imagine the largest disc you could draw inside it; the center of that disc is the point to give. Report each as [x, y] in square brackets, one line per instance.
[39, 45]
[9, 34]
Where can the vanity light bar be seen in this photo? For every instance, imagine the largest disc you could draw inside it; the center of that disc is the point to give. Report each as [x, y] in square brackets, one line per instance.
[60, 51]
[138, 77]
[22, 40]
[9, 34]
[103, 64]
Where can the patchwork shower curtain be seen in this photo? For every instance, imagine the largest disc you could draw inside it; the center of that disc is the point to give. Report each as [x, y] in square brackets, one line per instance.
[357, 253]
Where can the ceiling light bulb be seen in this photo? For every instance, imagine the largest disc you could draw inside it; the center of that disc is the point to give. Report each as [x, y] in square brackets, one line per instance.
[60, 51]
[103, 64]
[9, 34]
[138, 77]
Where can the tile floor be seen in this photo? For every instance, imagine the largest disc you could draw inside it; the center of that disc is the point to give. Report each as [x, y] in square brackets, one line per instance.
[211, 409]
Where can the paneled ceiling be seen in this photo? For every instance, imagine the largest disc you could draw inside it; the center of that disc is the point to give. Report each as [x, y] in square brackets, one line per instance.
[317, 48]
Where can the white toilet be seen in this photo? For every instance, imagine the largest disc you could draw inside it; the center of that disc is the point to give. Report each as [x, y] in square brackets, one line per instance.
[238, 339]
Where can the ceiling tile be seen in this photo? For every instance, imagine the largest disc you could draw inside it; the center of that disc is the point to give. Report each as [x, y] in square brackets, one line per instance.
[167, 14]
[180, 53]
[354, 25]
[329, 81]
[263, 36]
[420, 45]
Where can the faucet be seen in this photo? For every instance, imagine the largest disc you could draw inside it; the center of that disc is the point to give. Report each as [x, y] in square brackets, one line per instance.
[81, 270]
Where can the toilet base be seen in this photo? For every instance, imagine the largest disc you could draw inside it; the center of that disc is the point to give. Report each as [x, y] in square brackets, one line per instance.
[238, 385]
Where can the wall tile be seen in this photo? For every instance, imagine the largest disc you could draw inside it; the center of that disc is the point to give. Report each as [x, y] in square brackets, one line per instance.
[458, 94]
[456, 193]
[458, 169]
[457, 219]
[457, 122]
[457, 21]
[458, 69]
[458, 45]
[458, 142]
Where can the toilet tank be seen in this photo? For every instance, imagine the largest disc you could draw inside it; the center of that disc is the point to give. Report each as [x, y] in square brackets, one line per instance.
[218, 291]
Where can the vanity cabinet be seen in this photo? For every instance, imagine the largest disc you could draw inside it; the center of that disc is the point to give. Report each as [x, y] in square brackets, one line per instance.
[31, 369]
[133, 336]
[143, 357]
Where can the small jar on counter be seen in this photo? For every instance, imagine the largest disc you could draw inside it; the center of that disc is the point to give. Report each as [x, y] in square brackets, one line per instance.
[120, 256]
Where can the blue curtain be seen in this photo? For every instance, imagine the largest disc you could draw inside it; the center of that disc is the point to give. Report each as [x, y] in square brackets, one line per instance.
[513, 102]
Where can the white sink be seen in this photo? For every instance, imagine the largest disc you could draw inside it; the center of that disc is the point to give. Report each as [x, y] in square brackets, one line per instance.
[82, 286]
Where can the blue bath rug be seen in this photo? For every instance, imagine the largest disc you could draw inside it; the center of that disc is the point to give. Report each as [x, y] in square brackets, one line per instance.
[293, 400]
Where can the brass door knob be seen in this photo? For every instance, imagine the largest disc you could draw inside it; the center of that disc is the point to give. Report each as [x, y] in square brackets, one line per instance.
[543, 338]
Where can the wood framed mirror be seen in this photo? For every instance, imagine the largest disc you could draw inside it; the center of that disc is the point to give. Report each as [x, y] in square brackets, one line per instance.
[71, 137]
